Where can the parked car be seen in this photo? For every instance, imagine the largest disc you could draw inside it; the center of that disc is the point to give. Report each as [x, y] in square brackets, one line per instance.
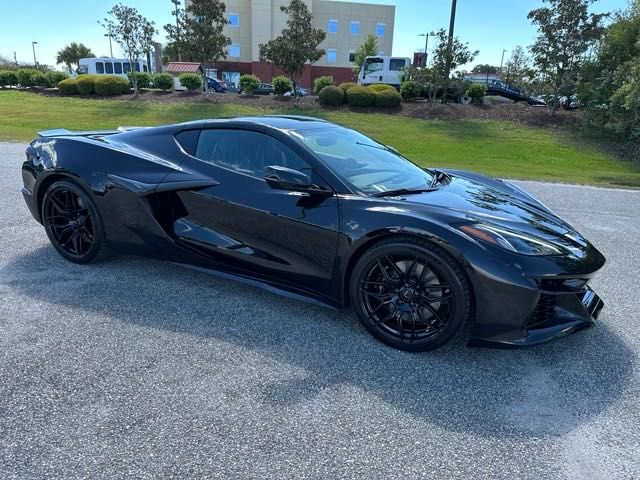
[263, 89]
[316, 211]
[302, 92]
[216, 85]
[383, 69]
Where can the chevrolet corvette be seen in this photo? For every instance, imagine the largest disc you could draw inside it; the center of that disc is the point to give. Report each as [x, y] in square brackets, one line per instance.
[319, 212]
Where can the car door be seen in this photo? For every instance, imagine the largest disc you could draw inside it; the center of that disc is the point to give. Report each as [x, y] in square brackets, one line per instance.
[287, 236]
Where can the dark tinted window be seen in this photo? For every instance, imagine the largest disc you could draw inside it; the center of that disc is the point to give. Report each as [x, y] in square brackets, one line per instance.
[137, 65]
[117, 67]
[108, 67]
[99, 67]
[396, 64]
[246, 152]
[188, 140]
[127, 67]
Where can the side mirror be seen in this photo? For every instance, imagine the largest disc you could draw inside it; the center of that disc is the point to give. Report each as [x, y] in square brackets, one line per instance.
[284, 178]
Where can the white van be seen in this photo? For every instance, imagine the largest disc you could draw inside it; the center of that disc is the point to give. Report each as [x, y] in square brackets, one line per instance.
[109, 66]
[381, 69]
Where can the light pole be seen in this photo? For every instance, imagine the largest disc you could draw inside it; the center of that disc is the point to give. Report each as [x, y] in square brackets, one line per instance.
[426, 46]
[452, 23]
[502, 61]
[177, 5]
[110, 45]
[33, 46]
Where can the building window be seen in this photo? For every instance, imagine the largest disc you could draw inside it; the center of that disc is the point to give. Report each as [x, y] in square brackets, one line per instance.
[234, 20]
[380, 30]
[352, 56]
[332, 26]
[332, 55]
[234, 50]
[355, 27]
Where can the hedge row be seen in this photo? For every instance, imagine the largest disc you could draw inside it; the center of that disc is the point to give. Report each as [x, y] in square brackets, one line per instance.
[29, 77]
[384, 96]
[107, 85]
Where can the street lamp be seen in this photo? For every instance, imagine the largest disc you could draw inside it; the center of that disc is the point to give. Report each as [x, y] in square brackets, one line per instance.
[502, 61]
[33, 46]
[110, 45]
[426, 46]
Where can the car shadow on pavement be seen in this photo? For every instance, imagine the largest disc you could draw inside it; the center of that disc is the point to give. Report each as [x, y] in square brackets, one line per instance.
[546, 390]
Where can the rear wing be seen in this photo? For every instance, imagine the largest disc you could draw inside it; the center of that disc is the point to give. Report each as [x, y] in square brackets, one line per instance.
[63, 132]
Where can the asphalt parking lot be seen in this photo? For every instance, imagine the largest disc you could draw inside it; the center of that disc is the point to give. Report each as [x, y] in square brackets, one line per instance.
[136, 368]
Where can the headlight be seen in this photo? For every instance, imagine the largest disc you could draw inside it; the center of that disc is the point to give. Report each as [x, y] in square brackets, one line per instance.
[516, 242]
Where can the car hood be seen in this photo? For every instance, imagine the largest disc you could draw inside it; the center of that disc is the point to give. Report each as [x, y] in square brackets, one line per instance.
[474, 197]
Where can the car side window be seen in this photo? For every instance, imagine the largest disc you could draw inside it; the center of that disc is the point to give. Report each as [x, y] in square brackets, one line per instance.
[246, 152]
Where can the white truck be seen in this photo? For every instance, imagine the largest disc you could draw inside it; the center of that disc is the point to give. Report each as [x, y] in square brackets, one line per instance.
[383, 69]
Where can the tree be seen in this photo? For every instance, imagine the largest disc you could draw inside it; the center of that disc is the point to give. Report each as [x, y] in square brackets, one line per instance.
[204, 39]
[485, 68]
[609, 83]
[176, 33]
[368, 48]
[71, 54]
[517, 68]
[297, 44]
[566, 30]
[133, 32]
[436, 78]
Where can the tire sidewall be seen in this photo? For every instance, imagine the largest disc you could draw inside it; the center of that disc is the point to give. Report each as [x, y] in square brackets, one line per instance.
[441, 263]
[95, 218]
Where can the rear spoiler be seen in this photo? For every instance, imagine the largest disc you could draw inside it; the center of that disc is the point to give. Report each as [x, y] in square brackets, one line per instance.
[63, 132]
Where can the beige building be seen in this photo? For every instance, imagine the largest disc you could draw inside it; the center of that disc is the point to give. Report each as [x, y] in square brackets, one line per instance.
[252, 22]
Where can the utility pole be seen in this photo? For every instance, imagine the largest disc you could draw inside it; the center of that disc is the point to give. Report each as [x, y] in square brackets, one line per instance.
[15, 58]
[110, 45]
[452, 23]
[426, 46]
[177, 5]
[33, 45]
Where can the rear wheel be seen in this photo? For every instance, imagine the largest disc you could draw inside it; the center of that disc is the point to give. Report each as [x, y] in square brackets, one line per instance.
[72, 222]
[410, 294]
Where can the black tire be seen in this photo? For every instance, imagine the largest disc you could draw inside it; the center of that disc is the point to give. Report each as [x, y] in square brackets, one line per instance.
[73, 223]
[410, 294]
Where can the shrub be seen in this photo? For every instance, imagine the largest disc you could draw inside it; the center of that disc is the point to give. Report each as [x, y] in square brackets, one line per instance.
[8, 77]
[191, 81]
[40, 79]
[281, 85]
[85, 84]
[106, 85]
[387, 98]
[68, 87]
[360, 97]
[144, 79]
[331, 95]
[321, 82]
[410, 89]
[477, 91]
[55, 78]
[163, 81]
[381, 87]
[347, 85]
[25, 76]
[248, 83]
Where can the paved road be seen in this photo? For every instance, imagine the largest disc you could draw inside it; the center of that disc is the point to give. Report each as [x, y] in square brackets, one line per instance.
[135, 368]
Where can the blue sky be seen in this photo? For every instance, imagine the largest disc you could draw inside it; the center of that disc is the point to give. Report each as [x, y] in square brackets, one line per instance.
[488, 25]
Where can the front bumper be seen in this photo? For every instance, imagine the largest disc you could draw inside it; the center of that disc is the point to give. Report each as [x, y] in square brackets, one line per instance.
[556, 315]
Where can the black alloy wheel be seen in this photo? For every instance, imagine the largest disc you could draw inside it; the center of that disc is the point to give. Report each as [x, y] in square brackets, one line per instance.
[72, 222]
[410, 294]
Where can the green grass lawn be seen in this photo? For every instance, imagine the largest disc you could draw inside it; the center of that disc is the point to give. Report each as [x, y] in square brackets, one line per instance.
[496, 148]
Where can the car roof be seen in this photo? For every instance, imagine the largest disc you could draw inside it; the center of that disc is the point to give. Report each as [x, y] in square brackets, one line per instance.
[280, 122]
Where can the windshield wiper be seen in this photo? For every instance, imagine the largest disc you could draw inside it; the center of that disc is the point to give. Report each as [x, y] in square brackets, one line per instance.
[403, 191]
[439, 177]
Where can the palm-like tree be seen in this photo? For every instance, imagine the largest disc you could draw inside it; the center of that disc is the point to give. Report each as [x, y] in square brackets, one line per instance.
[71, 54]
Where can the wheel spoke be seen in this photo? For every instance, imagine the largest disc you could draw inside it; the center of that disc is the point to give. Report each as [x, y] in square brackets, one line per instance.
[59, 206]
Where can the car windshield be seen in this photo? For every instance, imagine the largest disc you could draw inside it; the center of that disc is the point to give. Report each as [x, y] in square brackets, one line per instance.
[363, 163]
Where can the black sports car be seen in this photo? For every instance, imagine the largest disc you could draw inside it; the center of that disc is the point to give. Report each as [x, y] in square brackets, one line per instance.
[319, 212]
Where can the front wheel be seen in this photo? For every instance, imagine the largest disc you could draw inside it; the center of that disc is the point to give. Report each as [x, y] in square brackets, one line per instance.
[410, 294]
[72, 222]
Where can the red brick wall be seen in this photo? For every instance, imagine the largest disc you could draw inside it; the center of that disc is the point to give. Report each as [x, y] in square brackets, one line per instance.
[266, 72]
